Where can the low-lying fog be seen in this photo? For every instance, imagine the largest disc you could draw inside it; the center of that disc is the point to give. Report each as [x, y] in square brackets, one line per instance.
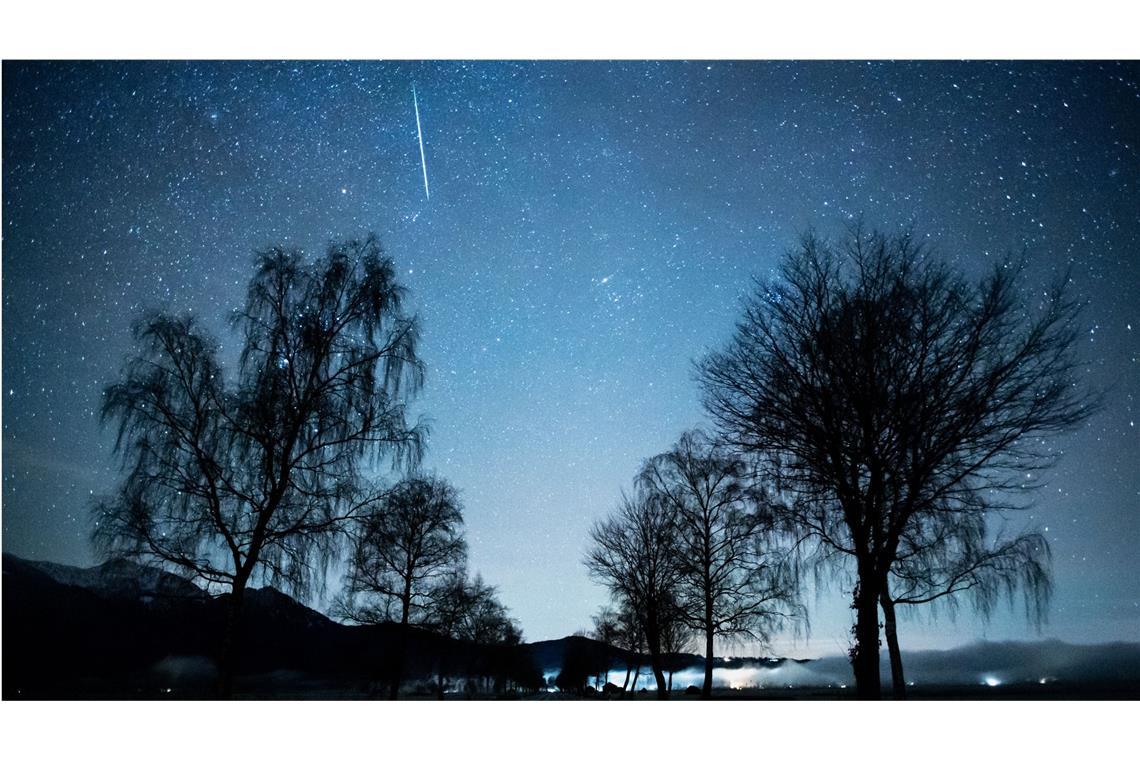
[989, 663]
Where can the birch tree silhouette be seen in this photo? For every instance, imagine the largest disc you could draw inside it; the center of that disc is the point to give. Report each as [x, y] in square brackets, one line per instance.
[634, 555]
[408, 542]
[957, 560]
[257, 479]
[733, 580]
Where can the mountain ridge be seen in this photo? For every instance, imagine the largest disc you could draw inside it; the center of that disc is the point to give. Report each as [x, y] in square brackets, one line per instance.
[123, 628]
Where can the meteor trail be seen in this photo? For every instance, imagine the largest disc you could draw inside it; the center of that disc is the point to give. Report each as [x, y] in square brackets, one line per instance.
[420, 135]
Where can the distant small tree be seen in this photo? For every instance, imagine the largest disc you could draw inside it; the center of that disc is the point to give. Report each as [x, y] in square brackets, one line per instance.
[733, 580]
[256, 479]
[607, 626]
[490, 621]
[407, 542]
[634, 555]
[470, 610]
[676, 637]
[577, 667]
[607, 630]
[632, 639]
[467, 609]
[621, 628]
[877, 389]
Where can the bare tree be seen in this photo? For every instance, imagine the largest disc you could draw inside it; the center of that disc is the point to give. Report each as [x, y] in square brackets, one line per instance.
[470, 610]
[407, 542]
[467, 609]
[578, 665]
[676, 637]
[256, 480]
[608, 629]
[634, 555]
[621, 628]
[955, 560]
[877, 387]
[733, 581]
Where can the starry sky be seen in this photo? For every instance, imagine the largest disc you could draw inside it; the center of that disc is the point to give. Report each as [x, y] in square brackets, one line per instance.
[591, 229]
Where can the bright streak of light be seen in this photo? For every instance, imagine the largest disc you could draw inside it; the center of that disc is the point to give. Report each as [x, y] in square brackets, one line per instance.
[420, 135]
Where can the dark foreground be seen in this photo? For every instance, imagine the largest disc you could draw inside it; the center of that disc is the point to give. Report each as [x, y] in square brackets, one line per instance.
[119, 631]
[1035, 692]
[289, 689]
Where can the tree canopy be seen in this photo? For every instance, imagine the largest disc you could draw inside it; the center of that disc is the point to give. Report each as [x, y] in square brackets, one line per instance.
[887, 397]
[257, 477]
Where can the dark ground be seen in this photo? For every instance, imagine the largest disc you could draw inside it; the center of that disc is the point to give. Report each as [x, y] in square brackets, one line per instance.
[118, 631]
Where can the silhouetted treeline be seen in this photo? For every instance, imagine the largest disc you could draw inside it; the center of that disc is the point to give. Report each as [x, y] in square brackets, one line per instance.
[872, 413]
[67, 641]
[261, 479]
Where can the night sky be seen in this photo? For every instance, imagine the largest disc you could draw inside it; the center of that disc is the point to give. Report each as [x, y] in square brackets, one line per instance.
[590, 231]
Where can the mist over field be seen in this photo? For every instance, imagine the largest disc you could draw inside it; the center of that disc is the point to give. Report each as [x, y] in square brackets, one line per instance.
[991, 664]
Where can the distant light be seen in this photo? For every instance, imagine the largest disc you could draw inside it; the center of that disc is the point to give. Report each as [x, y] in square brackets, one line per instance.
[991, 681]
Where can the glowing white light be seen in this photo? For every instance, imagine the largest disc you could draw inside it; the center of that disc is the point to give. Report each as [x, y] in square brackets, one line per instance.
[991, 681]
[420, 137]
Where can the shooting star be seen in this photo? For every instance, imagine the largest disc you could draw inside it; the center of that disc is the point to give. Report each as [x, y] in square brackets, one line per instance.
[420, 135]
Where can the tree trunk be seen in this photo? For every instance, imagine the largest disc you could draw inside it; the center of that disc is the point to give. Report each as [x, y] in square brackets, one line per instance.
[637, 650]
[898, 680]
[397, 674]
[628, 670]
[706, 687]
[670, 680]
[401, 644]
[865, 652]
[653, 639]
[658, 675]
[231, 638]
